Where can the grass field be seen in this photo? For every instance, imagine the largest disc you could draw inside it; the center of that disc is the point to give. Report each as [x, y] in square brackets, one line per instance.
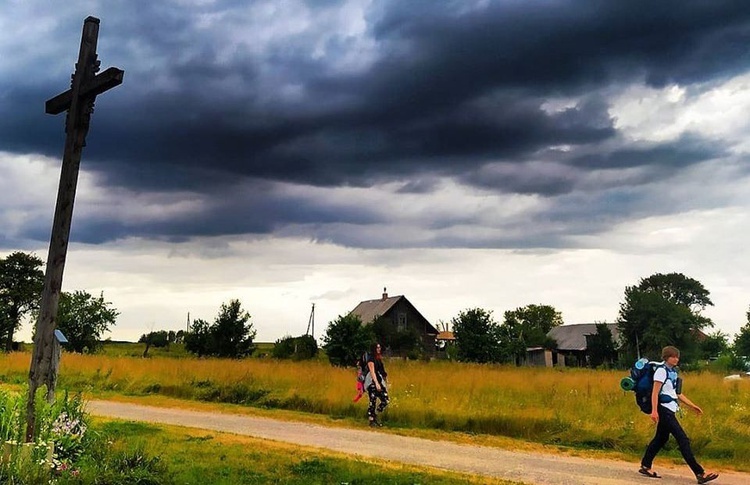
[572, 408]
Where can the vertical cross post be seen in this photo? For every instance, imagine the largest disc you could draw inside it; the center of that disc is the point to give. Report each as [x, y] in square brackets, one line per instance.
[79, 103]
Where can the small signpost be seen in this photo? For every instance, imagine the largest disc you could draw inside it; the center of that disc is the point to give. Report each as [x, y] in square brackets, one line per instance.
[78, 101]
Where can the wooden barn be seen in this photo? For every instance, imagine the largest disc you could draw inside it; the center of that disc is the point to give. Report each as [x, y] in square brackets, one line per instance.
[401, 313]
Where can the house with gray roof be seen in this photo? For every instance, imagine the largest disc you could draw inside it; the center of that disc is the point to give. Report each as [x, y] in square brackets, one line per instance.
[400, 312]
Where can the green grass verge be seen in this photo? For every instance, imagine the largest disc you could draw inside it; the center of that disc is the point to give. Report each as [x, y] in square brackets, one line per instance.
[200, 457]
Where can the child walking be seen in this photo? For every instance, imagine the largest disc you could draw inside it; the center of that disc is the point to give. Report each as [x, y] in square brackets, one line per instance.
[663, 414]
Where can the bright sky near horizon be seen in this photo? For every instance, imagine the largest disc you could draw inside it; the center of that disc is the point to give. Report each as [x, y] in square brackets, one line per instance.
[464, 154]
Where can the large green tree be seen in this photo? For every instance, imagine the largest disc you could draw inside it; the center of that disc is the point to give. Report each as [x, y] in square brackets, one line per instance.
[477, 336]
[741, 342]
[346, 339]
[21, 283]
[663, 309]
[233, 332]
[230, 335]
[527, 327]
[83, 319]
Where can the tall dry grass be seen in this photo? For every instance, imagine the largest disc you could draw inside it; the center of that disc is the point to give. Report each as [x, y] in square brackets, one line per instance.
[572, 407]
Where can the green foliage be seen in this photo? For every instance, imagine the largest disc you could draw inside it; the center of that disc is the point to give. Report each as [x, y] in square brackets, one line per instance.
[12, 417]
[714, 345]
[601, 347]
[284, 348]
[742, 340]
[678, 289]
[61, 423]
[159, 339]
[527, 327]
[663, 310]
[232, 331]
[477, 336]
[83, 318]
[199, 340]
[231, 334]
[78, 456]
[303, 347]
[21, 283]
[346, 339]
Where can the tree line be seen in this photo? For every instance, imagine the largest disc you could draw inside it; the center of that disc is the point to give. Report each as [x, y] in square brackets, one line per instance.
[81, 317]
[660, 310]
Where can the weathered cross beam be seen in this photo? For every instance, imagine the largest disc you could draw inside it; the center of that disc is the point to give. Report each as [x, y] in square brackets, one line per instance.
[79, 103]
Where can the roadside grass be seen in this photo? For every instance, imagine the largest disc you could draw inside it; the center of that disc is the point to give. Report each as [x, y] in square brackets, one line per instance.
[576, 409]
[198, 457]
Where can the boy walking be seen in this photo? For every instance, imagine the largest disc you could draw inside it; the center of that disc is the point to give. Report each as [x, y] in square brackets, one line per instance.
[664, 405]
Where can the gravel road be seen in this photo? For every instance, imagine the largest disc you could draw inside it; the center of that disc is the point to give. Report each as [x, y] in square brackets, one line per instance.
[522, 467]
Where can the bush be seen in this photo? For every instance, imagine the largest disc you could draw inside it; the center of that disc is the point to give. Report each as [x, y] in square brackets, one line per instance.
[303, 347]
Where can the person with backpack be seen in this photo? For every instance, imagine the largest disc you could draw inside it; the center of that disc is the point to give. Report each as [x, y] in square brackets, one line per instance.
[375, 384]
[664, 406]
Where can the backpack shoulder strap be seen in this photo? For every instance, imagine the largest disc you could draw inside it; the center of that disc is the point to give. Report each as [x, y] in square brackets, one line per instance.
[654, 367]
[672, 377]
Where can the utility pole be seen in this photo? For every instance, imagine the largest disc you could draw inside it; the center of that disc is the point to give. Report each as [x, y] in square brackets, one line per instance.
[78, 101]
[311, 323]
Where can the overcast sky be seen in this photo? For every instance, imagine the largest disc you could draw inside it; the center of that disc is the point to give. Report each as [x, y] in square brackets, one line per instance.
[463, 153]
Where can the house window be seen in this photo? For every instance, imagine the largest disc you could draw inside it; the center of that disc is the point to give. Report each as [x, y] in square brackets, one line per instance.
[401, 322]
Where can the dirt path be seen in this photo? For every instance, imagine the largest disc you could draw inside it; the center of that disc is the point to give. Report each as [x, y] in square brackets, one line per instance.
[522, 467]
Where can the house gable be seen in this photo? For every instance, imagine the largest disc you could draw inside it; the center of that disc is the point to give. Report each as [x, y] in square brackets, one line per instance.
[397, 309]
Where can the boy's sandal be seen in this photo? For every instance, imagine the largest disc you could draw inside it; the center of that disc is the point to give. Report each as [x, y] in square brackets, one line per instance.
[650, 473]
[707, 477]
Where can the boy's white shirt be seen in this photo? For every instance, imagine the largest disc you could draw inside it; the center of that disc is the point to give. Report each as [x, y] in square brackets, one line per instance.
[660, 375]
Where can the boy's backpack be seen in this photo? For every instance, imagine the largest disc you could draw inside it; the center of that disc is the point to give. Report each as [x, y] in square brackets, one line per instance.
[641, 382]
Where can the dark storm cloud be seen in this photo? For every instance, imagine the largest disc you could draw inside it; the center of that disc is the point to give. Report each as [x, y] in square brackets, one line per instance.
[234, 211]
[445, 89]
[683, 152]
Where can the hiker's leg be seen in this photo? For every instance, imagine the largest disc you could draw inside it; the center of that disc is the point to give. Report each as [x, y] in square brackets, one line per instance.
[384, 400]
[659, 440]
[372, 394]
[682, 441]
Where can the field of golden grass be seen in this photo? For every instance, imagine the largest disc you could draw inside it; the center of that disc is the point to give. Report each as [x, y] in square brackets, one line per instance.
[579, 408]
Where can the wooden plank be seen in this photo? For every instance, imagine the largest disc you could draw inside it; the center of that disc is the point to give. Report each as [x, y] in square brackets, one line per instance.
[102, 82]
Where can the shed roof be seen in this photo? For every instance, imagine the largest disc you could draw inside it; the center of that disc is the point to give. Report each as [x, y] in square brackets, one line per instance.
[445, 336]
[573, 337]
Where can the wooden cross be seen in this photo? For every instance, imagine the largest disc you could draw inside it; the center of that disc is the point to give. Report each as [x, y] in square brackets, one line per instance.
[78, 101]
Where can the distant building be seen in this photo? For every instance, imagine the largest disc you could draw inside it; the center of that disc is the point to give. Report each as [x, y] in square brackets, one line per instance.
[401, 313]
[572, 345]
[445, 337]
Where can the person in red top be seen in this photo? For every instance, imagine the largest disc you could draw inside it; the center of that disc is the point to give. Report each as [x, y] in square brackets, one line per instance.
[375, 383]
